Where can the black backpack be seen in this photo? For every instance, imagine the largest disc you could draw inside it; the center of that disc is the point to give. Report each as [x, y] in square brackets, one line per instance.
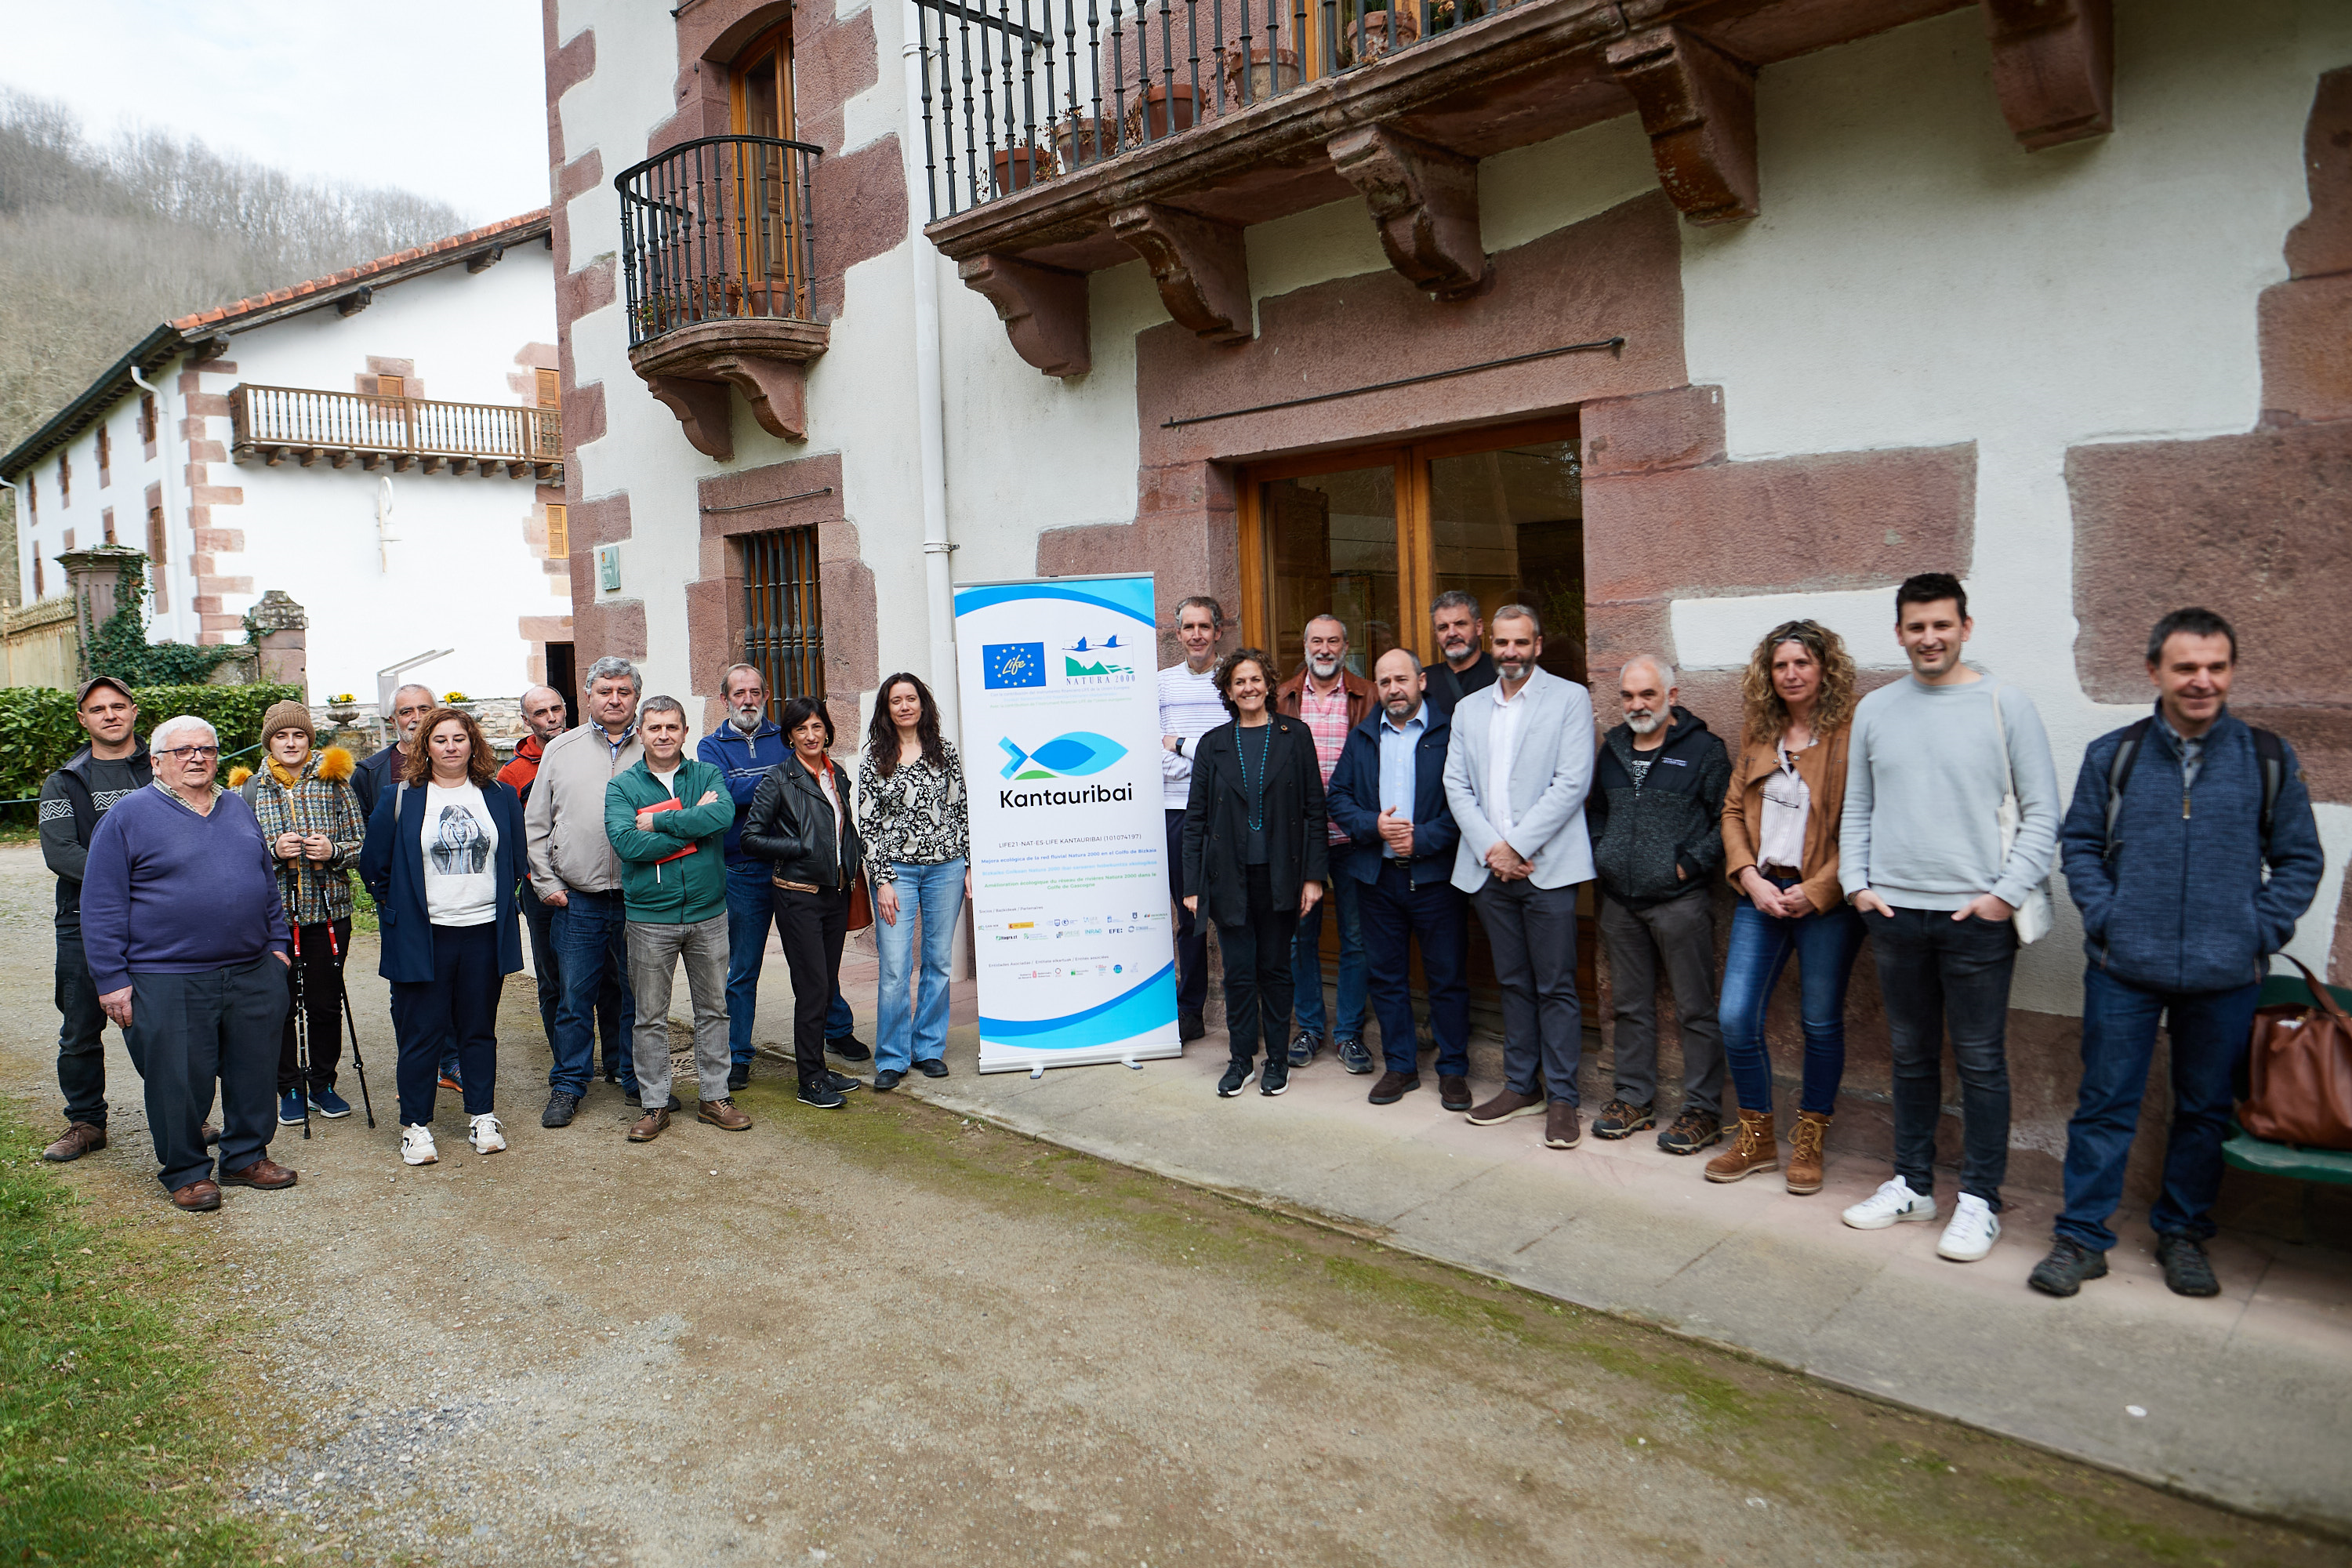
[2268, 748]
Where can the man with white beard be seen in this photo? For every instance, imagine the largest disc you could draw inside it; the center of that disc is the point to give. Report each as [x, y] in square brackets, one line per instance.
[1330, 700]
[743, 749]
[1658, 847]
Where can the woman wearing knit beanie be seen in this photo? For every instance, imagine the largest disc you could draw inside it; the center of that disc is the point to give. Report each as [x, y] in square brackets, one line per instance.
[304, 802]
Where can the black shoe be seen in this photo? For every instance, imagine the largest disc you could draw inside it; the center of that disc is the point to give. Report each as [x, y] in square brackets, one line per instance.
[849, 1048]
[1353, 1056]
[637, 1098]
[2187, 1270]
[560, 1108]
[887, 1079]
[842, 1083]
[822, 1095]
[1274, 1077]
[1303, 1046]
[738, 1078]
[1236, 1078]
[935, 1067]
[1619, 1120]
[1454, 1092]
[2069, 1264]
[1189, 1026]
[610, 1075]
[1393, 1086]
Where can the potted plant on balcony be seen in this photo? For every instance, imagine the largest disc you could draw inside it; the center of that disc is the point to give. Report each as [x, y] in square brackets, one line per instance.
[1271, 72]
[1378, 28]
[1083, 140]
[1159, 110]
[1021, 166]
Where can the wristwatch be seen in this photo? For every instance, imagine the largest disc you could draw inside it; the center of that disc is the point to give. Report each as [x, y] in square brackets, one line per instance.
[1180, 745]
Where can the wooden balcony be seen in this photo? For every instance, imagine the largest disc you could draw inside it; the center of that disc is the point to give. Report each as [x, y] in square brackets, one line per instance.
[285, 424]
[1056, 145]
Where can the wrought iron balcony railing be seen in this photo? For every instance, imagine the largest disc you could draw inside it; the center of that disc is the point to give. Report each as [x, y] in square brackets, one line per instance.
[278, 423]
[716, 229]
[1026, 89]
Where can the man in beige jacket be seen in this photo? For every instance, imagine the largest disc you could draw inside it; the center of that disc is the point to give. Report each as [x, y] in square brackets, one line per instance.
[574, 871]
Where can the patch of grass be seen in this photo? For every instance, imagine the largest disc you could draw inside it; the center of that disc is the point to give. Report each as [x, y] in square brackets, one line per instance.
[363, 909]
[105, 1456]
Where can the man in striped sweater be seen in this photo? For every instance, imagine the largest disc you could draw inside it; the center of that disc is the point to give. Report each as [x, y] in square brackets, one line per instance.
[1188, 709]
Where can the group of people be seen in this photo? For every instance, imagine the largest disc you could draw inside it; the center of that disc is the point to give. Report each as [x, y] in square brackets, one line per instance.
[1923, 817]
[211, 922]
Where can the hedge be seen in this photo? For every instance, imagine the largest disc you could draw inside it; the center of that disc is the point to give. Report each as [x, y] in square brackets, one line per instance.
[38, 731]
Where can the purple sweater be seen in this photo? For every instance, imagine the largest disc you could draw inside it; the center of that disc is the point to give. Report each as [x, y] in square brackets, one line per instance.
[166, 891]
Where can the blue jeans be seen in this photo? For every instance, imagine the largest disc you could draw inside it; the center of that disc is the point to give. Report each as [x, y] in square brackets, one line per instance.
[592, 953]
[752, 910]
[2208, 1030]
[1825, 944]
[916, 1030]
[1435, 913]
[539, 920]
[1341, 889]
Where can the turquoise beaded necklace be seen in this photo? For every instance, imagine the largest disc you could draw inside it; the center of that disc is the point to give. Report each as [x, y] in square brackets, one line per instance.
[1256, 799]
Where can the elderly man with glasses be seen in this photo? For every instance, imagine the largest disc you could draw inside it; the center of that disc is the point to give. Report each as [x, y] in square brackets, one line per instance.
[185, 936]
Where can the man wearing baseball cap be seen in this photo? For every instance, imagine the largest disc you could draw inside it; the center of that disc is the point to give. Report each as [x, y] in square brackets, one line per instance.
[73, 800]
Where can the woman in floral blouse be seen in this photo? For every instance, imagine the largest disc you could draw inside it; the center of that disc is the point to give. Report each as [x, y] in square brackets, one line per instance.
[308, 812]
[918, 841]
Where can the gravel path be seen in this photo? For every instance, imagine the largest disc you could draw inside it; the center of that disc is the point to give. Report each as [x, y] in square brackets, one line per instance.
[888, 1335]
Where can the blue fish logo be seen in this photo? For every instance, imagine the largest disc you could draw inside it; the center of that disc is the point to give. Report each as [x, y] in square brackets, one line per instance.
[1075, 754]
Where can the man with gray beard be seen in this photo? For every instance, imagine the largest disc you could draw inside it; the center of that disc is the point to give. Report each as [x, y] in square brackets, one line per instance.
[1657, 847]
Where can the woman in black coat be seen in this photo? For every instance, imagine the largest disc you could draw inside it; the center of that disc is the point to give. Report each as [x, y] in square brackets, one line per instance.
[804, 825]
[1253, 859]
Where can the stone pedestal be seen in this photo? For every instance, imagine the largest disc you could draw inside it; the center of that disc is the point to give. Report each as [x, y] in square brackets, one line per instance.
[93, 577]
[280, 625]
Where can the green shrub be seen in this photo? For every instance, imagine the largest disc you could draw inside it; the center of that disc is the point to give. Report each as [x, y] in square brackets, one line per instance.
[38, 731]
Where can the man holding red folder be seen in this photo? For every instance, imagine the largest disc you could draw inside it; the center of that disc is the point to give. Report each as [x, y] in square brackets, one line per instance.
[667, 817]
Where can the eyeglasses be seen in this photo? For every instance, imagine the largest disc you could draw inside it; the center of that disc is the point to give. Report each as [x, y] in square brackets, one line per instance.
[198, 752]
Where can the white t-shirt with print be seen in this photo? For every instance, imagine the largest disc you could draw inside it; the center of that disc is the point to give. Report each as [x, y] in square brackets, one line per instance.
[461, 857]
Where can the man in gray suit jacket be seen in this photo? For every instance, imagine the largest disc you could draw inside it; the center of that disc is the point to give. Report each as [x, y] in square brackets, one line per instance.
[1515, 776]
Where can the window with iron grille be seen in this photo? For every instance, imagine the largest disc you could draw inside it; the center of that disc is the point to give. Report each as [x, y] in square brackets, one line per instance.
[783, 620]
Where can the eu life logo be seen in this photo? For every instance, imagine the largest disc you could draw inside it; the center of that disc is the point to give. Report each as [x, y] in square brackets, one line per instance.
[1009, 666]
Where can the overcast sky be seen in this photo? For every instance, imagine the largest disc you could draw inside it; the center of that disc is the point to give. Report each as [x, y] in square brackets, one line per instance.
[444, 98]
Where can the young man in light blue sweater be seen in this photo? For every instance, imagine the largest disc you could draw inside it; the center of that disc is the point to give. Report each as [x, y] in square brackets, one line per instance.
[1920, 854]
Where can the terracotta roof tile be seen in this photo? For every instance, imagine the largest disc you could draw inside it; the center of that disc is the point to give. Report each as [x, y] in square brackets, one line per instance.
[469, 240]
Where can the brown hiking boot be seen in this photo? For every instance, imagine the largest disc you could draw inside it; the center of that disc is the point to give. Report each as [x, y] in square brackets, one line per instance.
[1506, 1105]
[722, 1113]
[1561, 1128]
[650, 1126]
[1757, 1149]
[81, 1138]
[1805, 1141]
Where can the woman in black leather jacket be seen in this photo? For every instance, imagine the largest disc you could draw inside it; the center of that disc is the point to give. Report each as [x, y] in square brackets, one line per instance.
[1253, 859]
[804, 825]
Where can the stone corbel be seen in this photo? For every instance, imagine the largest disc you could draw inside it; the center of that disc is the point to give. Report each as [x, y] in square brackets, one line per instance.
[1699, 105]
[777, 391]
[1199, 265]
[1424, 201]
[1043, 309]
[2054, 67]
[702, 409]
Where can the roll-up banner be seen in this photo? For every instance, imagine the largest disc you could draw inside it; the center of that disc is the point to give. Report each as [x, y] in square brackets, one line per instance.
[1071, 926]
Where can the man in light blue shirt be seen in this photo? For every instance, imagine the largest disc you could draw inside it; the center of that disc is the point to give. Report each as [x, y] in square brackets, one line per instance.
[1388, 792]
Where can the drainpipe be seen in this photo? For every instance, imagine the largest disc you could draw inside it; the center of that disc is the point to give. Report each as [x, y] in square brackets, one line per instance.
[938, 576]
[163, 432]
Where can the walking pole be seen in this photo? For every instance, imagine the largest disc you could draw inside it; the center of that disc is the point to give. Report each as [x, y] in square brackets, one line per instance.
[358, 1065]
[301, 1034]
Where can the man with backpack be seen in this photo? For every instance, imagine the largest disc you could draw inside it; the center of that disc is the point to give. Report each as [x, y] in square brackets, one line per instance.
[2174, 821]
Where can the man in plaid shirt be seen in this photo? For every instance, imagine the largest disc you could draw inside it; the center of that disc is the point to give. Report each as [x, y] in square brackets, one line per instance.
[1330, 700]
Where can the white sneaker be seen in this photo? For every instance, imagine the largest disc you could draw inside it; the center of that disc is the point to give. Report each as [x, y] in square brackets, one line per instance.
[1893, 1201]
[1972, 1232]
[416, 1146]
[485, 1137]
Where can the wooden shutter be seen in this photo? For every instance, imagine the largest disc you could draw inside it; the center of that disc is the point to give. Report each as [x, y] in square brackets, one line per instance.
[157, 576]
[392, 386]
[550, 389]
[559, 529]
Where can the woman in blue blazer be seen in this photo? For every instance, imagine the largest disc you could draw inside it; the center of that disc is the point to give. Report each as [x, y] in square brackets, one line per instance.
[444, 852]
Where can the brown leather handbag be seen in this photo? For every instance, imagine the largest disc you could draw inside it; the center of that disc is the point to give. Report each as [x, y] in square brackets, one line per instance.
[2299, 1072]
[861, 906]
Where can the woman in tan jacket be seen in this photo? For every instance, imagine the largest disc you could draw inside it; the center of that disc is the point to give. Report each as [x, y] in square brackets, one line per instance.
[1781, 851]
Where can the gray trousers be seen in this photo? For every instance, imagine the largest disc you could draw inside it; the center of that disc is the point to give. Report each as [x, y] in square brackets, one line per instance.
[220, 1025]
[1678, 934]
[1533, 933]
[654, 952]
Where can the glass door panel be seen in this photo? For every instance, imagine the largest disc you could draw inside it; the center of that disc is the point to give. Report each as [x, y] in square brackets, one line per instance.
[1331, 542]
[1508, 525]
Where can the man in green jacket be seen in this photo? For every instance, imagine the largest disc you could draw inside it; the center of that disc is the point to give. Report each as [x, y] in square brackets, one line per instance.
[667, 817]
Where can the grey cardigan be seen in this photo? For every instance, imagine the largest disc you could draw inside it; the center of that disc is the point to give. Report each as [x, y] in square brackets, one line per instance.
[1551, 771]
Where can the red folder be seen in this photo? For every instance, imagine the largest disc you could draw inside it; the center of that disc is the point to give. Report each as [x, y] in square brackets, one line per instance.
[672, 804]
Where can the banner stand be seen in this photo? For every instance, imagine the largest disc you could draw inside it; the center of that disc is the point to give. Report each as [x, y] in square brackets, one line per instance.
[1073, 931]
